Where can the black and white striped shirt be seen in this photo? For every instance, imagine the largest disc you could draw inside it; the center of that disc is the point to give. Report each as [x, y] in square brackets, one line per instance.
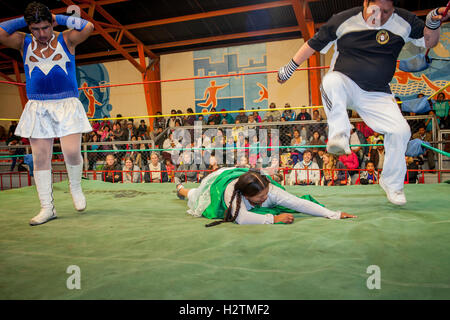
[365, 54]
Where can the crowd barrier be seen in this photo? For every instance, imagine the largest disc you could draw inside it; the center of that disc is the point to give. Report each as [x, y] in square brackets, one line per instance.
[11, 180]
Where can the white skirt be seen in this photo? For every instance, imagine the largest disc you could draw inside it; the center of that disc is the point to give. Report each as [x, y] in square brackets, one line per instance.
[53, 119]
[200, 198]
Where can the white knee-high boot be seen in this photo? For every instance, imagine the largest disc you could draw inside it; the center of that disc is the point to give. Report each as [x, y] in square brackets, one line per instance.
[74, 173]
[43, 181]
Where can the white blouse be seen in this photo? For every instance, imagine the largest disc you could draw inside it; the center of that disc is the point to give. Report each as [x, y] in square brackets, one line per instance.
[276, 196]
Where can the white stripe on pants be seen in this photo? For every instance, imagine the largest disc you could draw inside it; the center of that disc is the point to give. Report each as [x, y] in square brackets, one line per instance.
[378, 110]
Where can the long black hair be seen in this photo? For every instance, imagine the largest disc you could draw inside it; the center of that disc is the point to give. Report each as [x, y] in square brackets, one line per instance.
[248, 185]
[36, 12]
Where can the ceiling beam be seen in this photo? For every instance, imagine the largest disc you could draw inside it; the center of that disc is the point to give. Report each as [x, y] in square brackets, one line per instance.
[209, 14]
[83, 5]
[126, 33]
[232, 36]
[108, 38]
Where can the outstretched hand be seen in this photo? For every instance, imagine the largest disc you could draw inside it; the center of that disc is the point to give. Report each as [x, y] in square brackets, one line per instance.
[347, 216]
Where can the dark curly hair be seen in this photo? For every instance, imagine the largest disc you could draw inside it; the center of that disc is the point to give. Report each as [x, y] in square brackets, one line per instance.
[36, 12]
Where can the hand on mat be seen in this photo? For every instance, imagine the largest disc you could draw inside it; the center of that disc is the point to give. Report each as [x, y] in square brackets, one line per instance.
[284, 217]
[347, 216]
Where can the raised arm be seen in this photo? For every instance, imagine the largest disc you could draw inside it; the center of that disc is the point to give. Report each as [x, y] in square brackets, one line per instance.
[301, 56]
[9, 36]
[79, 29]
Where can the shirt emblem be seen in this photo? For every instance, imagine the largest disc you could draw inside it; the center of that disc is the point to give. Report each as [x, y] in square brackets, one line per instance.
[382, 37]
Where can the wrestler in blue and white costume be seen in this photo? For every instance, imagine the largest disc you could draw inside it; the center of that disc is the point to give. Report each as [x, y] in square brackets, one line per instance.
[53, 109]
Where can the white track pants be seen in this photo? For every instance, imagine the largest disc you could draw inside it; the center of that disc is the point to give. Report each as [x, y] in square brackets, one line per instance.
[378, 110]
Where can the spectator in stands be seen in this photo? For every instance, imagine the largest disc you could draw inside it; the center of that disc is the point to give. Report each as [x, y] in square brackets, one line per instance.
[374, 139]
[276, 114]
[357, 138]
[411, 164]
[15, 152]
[256, 115]
[316, 139]
[171, 121]
[230, 152]
[296, 152]
[369, 176]
[158, 136]
[254, 151]
[119, 134]
[130, 130]
[105, 133]
[303, 115]
[214, 117]
[423, 135]
[160, 122]
[333, 175]
[274, 169]
[243, 162]
[351, 163]
[156, 170]
[170, 169]
[187, 170]
[95, 126]
[289, 115]
[12, 129]
[306, 172]
[227, 116]
[377, 156]
[429, 122]
[105, 122]
[318, 156]
[168, 145]
[112, 170]
[241, 117]
[242, 146]
[361, 126]
[131, 172]
[442, 107]
[93, 156]
[285, 132]
[318, 126]
[142, 129]
[251, 122]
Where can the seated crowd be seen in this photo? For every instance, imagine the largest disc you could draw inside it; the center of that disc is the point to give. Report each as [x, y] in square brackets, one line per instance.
[301, 158]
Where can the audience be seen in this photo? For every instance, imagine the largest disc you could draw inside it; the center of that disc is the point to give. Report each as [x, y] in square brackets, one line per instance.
[333, 175]
[112, 170]
[312, 164]
[369, 176]
[306, 172]
[423, 135]
[131, 172]
[156, 170]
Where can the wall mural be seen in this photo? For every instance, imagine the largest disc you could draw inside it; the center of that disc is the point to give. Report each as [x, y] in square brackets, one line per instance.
[408, 85]
[95, 101]
[231, 93]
